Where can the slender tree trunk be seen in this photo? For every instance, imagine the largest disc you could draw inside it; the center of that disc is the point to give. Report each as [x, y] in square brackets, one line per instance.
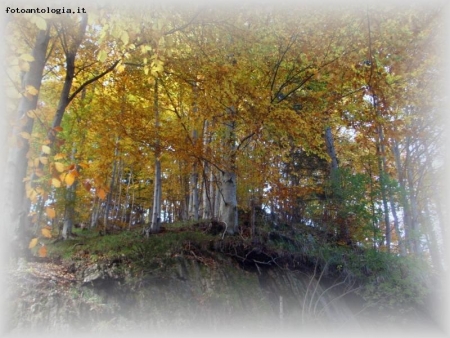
[95, 212]
[432, 238]
[118, 200]
[415, 232]
[194, 200]
[207, 200]
[206, 193]
[130, 222]
[329, 141]
[157, 193]
[228, 212]
[403, 200]
[69, 212]
[407, 221]
[112, 186]
[214, 194]
[384, 188]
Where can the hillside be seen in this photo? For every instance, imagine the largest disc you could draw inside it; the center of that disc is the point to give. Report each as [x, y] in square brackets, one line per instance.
[191, 277]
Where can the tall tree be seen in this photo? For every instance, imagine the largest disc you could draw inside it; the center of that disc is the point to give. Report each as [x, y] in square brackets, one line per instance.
[17, 156]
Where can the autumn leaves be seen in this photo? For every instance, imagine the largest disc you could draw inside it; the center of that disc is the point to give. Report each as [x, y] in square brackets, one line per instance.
[124, 93]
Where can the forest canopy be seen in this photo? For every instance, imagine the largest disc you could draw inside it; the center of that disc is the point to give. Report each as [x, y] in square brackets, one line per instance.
[326, 118]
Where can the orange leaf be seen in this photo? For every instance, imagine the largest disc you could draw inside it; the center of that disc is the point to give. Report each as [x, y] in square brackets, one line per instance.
[101, 193]
[58, 129]
[50, 212]
[70, 178]
[33, 243]
[32, 194]
[87, 185]
[59, 166]
[56, 183]
[59, 156]
[84, 165]
[46, 233]
[42, 252]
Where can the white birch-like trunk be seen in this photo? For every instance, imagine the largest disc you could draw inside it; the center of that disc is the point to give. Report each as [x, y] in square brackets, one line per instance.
[157, 192]
[194, 199]
[228, 202]
[228, 212]
[208, 187]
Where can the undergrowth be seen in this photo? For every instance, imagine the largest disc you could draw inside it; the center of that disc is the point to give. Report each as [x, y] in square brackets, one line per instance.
[384, 281]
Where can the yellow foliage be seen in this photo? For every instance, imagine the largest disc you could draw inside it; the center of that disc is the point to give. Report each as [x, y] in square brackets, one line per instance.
[50, 212]
[56, 183]
[33, 243]
[101, 193]
[46, 150]
[42, 251]
[59, 166]
[70, 178]
[46, 233]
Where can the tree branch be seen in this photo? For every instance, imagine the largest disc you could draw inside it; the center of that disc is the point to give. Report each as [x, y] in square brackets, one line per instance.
[95, 78]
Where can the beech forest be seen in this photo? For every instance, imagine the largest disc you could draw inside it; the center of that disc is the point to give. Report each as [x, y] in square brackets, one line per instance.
[328, 120]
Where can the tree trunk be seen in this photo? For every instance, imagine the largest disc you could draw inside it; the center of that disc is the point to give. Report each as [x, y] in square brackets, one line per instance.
[432, 242]
[228, 212]
[194, 200]
[207, 196]
[17, 160]
[415, 233]
[69, 212]
[343, 228]
[228, 202]
[407, 222]
[403, 201]
[383, 185]
[331, 151]
[157, 192]
[64, 99]
[217, 196]
[112, 186]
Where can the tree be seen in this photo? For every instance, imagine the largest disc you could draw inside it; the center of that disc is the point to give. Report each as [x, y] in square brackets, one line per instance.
[17, 156]
[315, 115]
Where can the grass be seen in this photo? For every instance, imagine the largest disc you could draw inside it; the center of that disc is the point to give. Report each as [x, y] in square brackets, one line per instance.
[132, 244]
